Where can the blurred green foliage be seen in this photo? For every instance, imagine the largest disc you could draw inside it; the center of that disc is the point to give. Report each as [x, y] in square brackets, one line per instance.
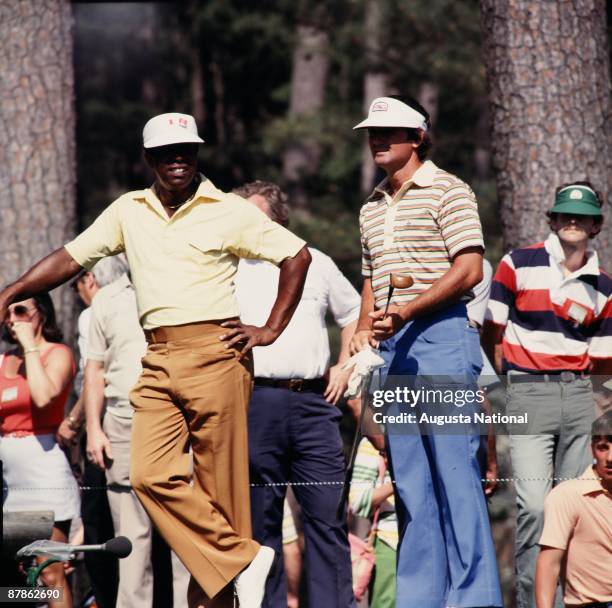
[134, 60]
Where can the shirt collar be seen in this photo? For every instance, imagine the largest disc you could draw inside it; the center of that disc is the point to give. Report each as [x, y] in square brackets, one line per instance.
[423, 177]
[553, 246]
[589, 482]
[206, 191]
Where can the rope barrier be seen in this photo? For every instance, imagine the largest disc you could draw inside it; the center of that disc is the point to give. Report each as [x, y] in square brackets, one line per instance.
[319, 483]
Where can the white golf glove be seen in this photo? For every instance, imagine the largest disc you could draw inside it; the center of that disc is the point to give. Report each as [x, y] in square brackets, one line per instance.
[363, 363]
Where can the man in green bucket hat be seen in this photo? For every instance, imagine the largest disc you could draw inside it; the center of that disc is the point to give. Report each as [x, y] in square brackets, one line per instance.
[549, 328]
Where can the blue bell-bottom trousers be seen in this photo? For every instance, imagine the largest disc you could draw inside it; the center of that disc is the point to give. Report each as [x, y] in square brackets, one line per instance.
[445, 555]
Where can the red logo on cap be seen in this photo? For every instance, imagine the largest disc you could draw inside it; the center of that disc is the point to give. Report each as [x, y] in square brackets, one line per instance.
[170, 121]
[380, 106]
[182, 122]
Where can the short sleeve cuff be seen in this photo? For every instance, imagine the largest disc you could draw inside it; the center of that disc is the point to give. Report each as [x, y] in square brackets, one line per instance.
[457, 248]
[348, 318]
[77, 253]
[546, 540]
[278, 244]
[291, 250]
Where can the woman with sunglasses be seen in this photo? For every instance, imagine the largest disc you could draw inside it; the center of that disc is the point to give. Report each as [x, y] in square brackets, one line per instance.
[35, 380]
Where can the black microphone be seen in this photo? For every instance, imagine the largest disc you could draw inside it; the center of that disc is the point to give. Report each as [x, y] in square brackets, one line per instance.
[119, 546]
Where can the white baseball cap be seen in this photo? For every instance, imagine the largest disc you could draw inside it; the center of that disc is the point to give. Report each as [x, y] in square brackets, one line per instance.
[389, 112]
[172, 128]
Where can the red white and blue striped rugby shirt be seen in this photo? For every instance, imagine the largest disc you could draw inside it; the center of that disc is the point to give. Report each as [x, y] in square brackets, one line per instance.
[552, 322]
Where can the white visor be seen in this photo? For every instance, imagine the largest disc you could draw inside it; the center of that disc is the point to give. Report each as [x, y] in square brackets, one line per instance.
[389, 112]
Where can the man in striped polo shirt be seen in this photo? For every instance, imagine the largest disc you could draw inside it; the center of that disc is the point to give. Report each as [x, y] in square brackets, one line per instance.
[549, 324]
[424, 222]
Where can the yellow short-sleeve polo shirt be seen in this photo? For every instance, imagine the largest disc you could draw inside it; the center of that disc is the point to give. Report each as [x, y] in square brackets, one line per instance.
[183, 267]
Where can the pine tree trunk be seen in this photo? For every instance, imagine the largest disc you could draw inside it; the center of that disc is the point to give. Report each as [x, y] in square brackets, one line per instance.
[375, 82]
[308, 82]
[37, 156]
[197, 89]
[429, 97]
[549, 93]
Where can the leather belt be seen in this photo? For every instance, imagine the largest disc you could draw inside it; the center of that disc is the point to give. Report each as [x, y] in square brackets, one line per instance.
[180, 332]
[298, 385]
[565, 376]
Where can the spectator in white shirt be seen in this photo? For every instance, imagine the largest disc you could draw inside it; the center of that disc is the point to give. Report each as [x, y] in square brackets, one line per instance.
[294, 434]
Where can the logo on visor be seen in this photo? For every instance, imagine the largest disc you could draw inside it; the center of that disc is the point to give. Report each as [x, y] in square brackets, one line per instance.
[380, 106]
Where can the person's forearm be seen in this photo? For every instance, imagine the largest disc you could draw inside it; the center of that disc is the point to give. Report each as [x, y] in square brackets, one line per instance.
[93, 396]
[346, 333]
[548, 567]
[491, 340]
[53, 270]
[290, 285]
[447, 290]
[367, 306]
[380, 494]
[77, 413]
[42, 389]
[491, 440]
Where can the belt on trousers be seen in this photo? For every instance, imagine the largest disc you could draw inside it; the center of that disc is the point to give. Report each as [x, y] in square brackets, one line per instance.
[597, 605]
[299, 385]
[180, 332]
[565, 376]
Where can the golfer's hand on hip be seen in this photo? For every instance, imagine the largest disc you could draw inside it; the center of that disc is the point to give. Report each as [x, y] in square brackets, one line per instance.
[249, 334]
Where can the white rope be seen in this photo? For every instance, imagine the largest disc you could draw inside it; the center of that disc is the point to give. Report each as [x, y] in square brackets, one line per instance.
[321, 483]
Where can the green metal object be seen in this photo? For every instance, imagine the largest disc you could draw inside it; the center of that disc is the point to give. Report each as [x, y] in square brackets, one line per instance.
[34, 571]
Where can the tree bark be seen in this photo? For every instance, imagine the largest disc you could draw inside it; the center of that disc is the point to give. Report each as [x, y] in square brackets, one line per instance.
[482, 147]
[37, 156]
[308, 81]
[147, 33]
[197, 89]
[375, 82]
[429, 97]
[219, 92]
[549, 92]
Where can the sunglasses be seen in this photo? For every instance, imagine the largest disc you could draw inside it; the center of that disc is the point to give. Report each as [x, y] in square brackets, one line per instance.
[21, 311]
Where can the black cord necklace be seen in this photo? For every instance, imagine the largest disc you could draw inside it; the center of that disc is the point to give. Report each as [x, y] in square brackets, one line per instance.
[187, 200]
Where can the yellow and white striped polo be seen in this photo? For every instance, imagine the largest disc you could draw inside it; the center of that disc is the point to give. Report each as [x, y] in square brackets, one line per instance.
[419, 231]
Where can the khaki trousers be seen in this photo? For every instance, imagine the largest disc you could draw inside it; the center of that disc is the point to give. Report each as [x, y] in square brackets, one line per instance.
[131, 520]
[194, 392]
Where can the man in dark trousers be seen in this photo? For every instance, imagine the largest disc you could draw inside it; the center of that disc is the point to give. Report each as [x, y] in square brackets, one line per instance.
[294, 434]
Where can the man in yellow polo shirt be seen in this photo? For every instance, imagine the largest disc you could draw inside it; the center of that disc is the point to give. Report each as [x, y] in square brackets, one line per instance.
[576, 543]
[183, 238]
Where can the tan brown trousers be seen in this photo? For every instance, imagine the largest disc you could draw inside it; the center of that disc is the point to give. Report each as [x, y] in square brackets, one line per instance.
[194, 392]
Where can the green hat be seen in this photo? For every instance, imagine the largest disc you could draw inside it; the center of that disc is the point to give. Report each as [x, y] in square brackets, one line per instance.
[577, 200]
